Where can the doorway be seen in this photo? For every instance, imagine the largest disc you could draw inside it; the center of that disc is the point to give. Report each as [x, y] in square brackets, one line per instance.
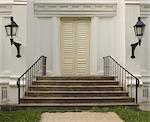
[75, 46]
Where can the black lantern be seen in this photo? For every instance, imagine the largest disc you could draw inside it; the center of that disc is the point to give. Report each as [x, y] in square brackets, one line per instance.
[139, 28]
[11, 31]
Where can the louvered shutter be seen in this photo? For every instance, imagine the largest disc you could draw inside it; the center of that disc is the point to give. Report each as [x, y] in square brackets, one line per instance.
[75, 46]
[82, 47]
[67, 45]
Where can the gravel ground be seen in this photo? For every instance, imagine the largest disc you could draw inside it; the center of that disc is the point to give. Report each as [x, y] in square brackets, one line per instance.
[80, 117]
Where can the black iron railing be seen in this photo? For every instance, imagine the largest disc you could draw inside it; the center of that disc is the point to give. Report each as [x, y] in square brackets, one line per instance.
[126, 79]
[25, 80]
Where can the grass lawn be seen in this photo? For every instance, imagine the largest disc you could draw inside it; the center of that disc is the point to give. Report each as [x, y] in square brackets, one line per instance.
[28, 115]
[33, 115]
[127, 114]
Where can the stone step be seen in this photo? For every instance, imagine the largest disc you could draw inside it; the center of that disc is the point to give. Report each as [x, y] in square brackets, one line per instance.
[75, 82]
[76, 99]
[75, 78]
[72, 105]
[76, 93]
[75, 88]
[63, 107]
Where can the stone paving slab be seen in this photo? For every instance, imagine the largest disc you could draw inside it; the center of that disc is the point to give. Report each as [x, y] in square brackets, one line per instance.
[80, 117]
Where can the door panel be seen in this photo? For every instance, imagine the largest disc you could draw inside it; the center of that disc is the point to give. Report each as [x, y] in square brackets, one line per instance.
[75, 46]
[82, 47]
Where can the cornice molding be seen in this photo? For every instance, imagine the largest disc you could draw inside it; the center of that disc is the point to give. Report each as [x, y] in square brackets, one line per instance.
[5, 9]
[145, 10]
[58, 9]
[20, 0]
[132, 2]
[74, 1]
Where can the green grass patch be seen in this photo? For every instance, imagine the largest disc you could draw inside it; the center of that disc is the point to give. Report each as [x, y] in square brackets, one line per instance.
[34, 114]
[28, 115]
[126, 113]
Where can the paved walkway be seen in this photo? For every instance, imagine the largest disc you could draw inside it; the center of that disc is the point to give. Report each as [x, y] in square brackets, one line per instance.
[80, 117]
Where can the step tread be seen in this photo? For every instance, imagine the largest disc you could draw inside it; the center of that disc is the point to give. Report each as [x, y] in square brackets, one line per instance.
[75, 77]
[70, 81]
[78, 104]
[75, 86]
[76, 92]
[83, 98]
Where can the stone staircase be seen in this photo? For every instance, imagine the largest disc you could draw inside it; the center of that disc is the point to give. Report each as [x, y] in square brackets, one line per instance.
[76, 91]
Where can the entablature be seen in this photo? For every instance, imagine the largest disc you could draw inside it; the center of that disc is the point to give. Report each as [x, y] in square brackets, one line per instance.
[75, 8]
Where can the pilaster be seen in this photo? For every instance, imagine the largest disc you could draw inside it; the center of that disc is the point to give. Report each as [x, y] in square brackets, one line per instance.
[94, 45]
[56, 45]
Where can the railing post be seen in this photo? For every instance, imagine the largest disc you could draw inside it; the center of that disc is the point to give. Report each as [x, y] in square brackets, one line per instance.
[18, 85]
[137, 84]
[44, 66]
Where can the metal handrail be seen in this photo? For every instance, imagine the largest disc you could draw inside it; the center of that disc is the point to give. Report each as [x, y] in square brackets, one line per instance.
[37, 69]
[113, 68]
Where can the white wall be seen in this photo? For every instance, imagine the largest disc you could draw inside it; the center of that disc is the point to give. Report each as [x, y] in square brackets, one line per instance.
[12, 67]
[43, 31]
[5, 49]
[132, 14]
[111, 35]
[145, 48]
[140, 64]
[105, 40]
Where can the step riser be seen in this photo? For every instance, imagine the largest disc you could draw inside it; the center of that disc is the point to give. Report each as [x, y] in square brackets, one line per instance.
[75, 78]
[76, 83]
[76, 89]
[76, 94]
[76, 101]
[59, 108]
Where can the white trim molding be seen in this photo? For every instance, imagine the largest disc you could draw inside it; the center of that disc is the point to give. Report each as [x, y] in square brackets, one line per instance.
[145, 10]
[59, 9]
[132, 2]
[20, 0]
[5, 9]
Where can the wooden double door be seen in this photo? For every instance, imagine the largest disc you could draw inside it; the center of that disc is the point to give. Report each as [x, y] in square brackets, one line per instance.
[75, 46]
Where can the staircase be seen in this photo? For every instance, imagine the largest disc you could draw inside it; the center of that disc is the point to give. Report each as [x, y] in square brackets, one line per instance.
[76, 91]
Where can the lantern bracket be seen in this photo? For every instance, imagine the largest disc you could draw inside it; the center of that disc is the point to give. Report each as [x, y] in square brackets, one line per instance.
[133, 46]
[11, 31]
[139, 28]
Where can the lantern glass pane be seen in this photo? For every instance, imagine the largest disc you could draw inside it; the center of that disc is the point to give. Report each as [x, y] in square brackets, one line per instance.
[143, 28]
[139, 31]
[14, 31]
[8, 30]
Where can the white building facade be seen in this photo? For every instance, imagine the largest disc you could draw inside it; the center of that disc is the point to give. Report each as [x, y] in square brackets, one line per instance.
[45, 26]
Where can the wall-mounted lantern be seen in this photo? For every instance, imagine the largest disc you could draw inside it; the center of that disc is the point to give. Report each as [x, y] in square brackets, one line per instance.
[139, 28]
[11, 32]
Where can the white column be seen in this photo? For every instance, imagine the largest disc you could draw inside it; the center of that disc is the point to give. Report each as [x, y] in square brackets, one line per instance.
[94, 45]
[119, 27]
[56, 45]
[1, 44]
[149, 42]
